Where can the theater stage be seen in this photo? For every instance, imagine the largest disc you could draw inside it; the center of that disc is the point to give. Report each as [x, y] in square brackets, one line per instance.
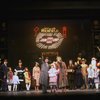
[86, 93]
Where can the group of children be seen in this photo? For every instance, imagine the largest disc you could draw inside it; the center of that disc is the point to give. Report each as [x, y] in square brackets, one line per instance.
[13, 80]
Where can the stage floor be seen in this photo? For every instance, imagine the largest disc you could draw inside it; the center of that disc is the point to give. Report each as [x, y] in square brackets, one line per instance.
[33, 93]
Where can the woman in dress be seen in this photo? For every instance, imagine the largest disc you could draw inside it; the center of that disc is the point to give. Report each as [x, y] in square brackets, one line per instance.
[62, 76]
[36, 75]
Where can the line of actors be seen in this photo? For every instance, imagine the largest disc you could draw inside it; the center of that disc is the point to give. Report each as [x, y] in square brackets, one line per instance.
[55, 75]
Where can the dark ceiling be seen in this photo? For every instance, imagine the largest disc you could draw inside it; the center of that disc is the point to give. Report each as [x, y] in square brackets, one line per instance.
[20, 9]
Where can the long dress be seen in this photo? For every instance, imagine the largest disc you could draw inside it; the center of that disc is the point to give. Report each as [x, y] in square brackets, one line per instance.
[36, 74]
[15, 80]
[62, 77]
[9, 77]
[78, 77]
[27, 76]
[71, 76]
[53, 76]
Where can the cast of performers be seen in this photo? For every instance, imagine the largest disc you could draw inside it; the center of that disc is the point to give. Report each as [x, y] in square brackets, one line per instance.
[53, 76]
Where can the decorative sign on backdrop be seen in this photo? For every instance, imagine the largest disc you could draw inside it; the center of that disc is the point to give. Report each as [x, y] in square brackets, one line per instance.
[49, 37]
[50, 53]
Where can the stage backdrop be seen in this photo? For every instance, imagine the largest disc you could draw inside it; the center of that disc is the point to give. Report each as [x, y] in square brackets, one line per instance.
[30, 39]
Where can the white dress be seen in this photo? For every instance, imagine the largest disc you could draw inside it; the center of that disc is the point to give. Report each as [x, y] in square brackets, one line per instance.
[53, 76]
[15, 80]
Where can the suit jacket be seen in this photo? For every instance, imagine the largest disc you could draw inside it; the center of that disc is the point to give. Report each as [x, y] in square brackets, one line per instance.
[4, 70]
[44, 74]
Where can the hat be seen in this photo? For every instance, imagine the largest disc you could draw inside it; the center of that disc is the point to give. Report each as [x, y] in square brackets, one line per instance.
[78, 58]
[83, 59]
[93, 58]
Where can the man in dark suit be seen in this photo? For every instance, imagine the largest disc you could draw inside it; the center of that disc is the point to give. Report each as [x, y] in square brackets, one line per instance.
[44, 75]
[4, 70]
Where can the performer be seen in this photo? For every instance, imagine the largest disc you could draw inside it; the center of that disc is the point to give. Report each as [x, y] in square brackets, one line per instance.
[96, 77]
[98, 66]
[9, 78]
[44, 75]
[62, 78]
[27, 76]
[15, 81]
[53, 77]
[90, 71]
[20, 72]
[36, 75]
[4, 69]
[84, 73]
[78, 75]
[71, 75]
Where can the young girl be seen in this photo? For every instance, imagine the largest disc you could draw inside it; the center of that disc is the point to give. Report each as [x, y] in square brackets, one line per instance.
[27, 76]
[53, 77]
[90, 72]
[96, 78]
[15, 81]
[9, 78]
